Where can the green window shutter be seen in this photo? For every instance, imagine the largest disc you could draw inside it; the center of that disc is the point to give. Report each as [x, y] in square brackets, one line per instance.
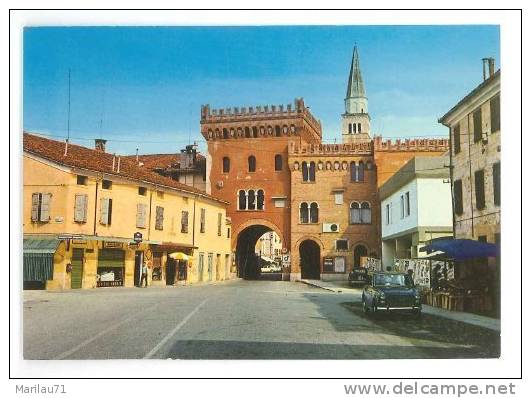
[104, 211]
[35, 207]
[184, 222]
[45, 207]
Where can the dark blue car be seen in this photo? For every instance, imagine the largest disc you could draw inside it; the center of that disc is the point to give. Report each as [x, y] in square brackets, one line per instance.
[390, 291]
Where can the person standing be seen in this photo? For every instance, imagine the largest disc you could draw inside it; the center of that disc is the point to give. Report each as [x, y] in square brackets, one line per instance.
[144, 274]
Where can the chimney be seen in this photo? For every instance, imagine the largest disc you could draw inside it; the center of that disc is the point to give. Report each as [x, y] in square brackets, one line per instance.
[99, 144]
[488, 67]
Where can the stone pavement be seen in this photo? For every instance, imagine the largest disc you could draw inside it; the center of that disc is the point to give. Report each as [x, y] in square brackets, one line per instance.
[465, 317]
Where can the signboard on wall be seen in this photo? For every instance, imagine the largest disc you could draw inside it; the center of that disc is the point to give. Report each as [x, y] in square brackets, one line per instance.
[286, 260]
[328, 264]
[112, 245]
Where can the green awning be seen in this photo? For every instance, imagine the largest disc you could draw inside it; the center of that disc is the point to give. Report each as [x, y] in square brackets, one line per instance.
[38, 258]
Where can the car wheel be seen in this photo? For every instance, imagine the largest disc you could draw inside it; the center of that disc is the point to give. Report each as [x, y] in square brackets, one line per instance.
[364, 306]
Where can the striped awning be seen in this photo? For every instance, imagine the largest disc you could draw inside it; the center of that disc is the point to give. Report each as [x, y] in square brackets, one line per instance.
[38, 258]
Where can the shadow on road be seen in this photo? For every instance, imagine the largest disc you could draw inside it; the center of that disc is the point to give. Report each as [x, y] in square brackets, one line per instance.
[453, 339]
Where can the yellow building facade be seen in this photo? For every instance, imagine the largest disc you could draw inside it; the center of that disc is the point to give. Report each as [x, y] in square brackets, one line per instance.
[79, 223]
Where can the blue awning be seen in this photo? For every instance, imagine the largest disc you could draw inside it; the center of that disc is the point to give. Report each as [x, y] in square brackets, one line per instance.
[462, 249]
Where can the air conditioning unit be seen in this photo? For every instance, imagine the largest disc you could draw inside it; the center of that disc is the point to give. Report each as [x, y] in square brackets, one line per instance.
[330, 227]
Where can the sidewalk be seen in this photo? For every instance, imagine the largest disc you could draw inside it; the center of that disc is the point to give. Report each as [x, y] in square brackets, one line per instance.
[465, 317]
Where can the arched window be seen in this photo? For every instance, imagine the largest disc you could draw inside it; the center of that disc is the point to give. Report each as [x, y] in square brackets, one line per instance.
[314, 213]
[226, 164]
[304, 213]
[251, 200]
[361, 168]
[366, 213]
[359, 128]
[260, 199]
[350, 128]
[247, 132]
[355, 213]
[252, 164]
[353, 172]
[255, 132]
[225, 133]
[277, 131]
[242, 200]
[305, 171]
[278, 162]
[311, 171]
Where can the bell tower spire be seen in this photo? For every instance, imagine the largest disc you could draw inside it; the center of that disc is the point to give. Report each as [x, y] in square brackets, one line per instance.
[356, 120]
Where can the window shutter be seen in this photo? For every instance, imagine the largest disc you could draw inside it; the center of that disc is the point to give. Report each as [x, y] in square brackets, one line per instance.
[184, 222]
[141, 215]
[159, 217]
[104, 211]
[35, 207]
[45, 207]
[458, 197]
[80, 212]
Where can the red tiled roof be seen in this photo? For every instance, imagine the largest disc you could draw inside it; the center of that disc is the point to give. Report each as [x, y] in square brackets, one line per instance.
[90, 159]
[162, 160]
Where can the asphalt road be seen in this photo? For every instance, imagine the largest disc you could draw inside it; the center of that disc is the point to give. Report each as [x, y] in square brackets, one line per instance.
[235, 320]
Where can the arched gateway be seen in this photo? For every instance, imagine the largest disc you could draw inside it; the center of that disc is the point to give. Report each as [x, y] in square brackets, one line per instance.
[247, 262]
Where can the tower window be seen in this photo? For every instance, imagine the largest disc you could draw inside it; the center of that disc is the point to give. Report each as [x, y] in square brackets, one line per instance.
[350, 128]
[359, 128]
[252, 164]
[226, 164]
[278, 162]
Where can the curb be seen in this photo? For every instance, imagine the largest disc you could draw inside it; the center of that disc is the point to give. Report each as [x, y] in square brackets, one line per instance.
[319, 286]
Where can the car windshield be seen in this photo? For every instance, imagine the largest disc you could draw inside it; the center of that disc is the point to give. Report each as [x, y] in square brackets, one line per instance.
[391, 280]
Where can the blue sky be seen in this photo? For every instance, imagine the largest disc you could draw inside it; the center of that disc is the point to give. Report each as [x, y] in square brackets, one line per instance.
[143, 86]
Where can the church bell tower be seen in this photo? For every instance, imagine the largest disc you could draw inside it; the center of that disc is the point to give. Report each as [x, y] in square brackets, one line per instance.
[356, 123]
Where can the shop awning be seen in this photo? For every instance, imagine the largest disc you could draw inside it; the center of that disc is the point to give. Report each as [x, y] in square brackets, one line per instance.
[38, 258]
[462, 249]
[180, 256]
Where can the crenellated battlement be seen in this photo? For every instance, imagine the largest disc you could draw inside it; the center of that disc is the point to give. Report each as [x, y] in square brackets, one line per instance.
[258, 113]
[361, 148]
[416, 144]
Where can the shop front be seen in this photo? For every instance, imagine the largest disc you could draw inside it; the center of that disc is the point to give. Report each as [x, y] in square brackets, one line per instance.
[111, 267]
[38, 261]
[171, 263]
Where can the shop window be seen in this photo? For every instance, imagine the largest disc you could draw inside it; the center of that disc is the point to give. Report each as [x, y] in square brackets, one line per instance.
[159, 218]
[184, 222]
[278, 162]
[252, 164]
[106, 211]
[479, 182]
[495, 114]
[342, 245]
[476, 116]
[80, 208]
[458, 197]
[226, 164]
[141, 211]
[496, 173]
[106, 184]
[202, 221]
[457, 139]
[82, 180]
[40, 207]
[142, 191]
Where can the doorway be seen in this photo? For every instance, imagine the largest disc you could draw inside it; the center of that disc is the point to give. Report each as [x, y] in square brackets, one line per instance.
[310, 255]
[76, 276]
[171, 269]
[139, 257]
[359, 252]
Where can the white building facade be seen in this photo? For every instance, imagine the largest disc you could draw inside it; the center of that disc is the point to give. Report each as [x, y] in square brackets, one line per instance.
[416, 207]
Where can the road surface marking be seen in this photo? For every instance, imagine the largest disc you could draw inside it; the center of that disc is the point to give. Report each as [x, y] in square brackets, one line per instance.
[175, 330]
[97, 336]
